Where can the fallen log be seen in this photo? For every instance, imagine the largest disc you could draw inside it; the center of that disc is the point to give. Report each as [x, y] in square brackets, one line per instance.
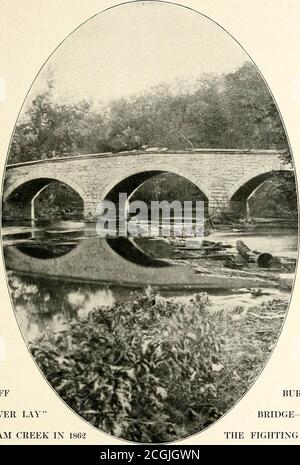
[243, 250]
[273, 316]
[233, 259]
[263, 259]
[200, 270]
[204, 257]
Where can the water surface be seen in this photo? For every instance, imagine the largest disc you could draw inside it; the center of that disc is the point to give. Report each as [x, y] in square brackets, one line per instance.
[62, 270]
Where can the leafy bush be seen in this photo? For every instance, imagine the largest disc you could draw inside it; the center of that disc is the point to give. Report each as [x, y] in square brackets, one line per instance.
[145, 370]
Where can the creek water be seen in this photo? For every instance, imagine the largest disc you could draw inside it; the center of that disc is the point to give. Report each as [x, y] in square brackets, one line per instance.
[60, 271]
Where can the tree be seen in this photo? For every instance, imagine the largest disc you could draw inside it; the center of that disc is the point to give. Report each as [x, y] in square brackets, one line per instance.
[49, 130]
[230, 111]
[276, 197]
[253, 119]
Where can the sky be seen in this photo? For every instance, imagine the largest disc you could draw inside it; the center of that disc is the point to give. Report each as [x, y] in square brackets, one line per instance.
[132, 47]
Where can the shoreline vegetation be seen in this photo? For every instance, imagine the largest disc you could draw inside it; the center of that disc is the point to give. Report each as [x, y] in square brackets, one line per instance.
[154, 369]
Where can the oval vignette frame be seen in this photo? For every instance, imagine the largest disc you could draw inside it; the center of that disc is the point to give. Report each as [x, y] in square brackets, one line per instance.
[184, 7]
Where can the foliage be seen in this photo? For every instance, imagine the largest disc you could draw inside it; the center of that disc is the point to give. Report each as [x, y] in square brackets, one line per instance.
[153, 370]
[141, 370]
[253, 115]
[249, 338]
[231, 111]
[168, 186]
[50, 129]
[276, 197]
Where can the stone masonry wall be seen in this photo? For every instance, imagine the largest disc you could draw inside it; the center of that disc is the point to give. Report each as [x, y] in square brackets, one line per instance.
[218, 174]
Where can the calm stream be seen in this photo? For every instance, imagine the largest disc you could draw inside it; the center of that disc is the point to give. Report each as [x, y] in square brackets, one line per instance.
[62, 270]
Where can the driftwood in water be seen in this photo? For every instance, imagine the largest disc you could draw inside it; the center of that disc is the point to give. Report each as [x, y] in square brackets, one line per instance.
[233, 259]
[243, 250]
[200, 270]
[271, 316]
[205, 246]
[263, 260]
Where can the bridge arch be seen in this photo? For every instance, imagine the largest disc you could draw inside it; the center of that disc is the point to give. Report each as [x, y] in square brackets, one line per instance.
[19, 200]
[132, 180]
[145, 173]
[241, 191]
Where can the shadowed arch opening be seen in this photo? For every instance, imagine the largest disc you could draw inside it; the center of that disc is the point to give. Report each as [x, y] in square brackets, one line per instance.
[156, 185]
[43, 198]
[133, 184]
[258, 195]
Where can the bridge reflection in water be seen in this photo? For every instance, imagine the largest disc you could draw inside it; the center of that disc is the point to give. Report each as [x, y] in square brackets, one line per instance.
[55, 282]
[119, 260]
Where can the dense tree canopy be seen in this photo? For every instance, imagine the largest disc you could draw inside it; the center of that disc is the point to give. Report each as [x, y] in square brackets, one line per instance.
[230, 111]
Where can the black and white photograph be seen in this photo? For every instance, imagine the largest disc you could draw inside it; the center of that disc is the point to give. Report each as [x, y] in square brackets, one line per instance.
[150, 221]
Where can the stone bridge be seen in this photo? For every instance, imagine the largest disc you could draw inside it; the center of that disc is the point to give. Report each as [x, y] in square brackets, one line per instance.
[225, 177]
